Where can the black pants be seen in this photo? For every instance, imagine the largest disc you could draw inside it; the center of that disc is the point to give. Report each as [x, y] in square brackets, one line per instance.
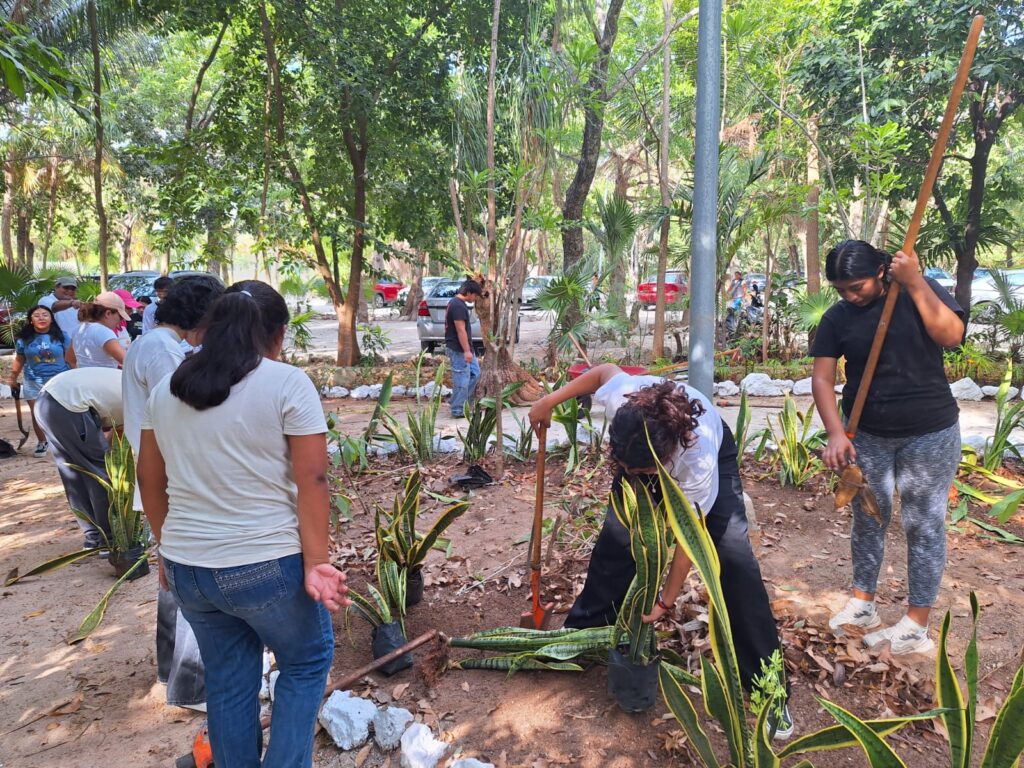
[612, 568]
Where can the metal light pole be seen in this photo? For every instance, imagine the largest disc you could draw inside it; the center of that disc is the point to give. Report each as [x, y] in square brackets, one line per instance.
[704, 257]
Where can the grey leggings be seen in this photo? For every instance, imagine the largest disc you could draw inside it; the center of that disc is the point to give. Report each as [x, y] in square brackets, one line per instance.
[922, 468]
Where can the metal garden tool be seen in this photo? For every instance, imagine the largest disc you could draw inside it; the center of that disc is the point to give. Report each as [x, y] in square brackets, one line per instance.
[539, 617]
[16, 394]
[852, 482]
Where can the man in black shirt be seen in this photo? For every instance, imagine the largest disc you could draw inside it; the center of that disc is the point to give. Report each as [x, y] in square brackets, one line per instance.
[459, 346]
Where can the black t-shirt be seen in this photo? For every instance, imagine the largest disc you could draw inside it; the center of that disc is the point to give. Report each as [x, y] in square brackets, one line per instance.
[457, 310]
[909, 394]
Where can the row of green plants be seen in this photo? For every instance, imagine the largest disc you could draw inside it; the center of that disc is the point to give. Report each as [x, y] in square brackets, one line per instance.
[743, 721]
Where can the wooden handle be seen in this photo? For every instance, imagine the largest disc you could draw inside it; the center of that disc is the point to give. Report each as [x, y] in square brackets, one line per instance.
[579, 349]
[934, 163]
[538, 504]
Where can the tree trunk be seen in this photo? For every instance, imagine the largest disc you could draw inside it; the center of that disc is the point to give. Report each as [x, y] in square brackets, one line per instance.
[127, 232]
[97, 112]
[764, 296]
[412, 303]
[348, 342]
[666, 200]
[21, 239]
[6, 218]
[53, 184]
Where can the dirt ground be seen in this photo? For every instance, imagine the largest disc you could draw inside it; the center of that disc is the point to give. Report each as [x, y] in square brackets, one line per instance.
[97, 702]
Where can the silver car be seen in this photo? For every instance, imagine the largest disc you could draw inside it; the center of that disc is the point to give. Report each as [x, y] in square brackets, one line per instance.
[431, 317]
[986, 302]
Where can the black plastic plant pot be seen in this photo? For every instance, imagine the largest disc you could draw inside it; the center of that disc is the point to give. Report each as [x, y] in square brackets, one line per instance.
[633, 686]
[387, 638]
[413, 588]
[123, 561]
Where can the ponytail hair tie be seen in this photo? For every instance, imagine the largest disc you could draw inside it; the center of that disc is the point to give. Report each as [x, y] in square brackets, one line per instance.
[246, 293]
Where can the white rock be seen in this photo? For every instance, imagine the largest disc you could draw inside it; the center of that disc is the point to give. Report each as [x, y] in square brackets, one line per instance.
[5, 392]
[382, 449]
[336, 392]
[726, 389]
[375, 390]
[272, 682]
[761, 385]
[979, 443]
[839, 388]
[471, 762]
[420, 749]
[427, 390]
[347, 719]
[993, 391]
[966, 389]
[802, 387]
[447, 444]
[786, 384]
[360, 393]
[399, 390]
[388, 726]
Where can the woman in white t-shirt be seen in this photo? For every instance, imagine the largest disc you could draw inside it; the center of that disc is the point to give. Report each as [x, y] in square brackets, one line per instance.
[697, 448]
[233, 473]
[95, 343]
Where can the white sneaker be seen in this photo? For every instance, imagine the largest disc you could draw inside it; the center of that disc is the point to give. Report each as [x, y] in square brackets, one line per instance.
[200, 707]
[859, 613]
[905, 636]
[40, 451]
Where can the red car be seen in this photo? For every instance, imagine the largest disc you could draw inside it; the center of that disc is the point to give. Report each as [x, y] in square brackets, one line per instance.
[385, 292]
[675, 289]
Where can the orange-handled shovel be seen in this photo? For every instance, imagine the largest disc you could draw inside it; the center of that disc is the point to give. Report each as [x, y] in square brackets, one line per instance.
[851, 482]
[540, 616]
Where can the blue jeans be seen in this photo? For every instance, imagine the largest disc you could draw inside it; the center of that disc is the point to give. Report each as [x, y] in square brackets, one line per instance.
[464, 378]
[234, 612]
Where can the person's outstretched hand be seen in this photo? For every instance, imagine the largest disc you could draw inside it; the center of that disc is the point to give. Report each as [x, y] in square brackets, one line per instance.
[839, 453]
[540, 413]
[326, 584]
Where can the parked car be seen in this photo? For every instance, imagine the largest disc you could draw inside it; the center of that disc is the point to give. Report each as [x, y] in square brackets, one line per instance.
[985, 298]
[755, 278]
[385, 292]
[431, 316]
[675, 288]
[981, 273]
[139, 282]
[941, 276]
[532, 289]
[426, 284]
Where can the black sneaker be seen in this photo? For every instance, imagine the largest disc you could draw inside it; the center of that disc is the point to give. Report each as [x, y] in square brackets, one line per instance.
[780, 729]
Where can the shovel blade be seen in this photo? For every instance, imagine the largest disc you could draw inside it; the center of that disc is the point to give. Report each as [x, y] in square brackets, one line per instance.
[539, 618]
[853, 485]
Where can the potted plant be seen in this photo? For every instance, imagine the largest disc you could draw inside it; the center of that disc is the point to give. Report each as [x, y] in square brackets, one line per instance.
[127, 540]
[384, 609]
[633, 658]
[400, 543]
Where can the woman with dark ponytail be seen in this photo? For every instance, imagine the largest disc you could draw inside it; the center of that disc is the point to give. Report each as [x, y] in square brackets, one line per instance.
[697, 448]
[909, 433]
[233, 475]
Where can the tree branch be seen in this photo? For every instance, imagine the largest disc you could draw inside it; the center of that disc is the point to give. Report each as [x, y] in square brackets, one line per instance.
[646, 57]
[198, 85]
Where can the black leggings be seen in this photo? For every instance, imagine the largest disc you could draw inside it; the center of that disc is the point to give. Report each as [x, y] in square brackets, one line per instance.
[612, 569]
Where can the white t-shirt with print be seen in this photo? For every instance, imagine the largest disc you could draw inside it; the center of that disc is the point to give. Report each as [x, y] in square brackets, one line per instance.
[149, 317]
[232, 497]
[67, 319]
[88, 342]
[695, 468]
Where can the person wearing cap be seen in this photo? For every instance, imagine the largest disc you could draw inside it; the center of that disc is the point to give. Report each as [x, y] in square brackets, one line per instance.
[63, 304]
[124, 336]
[95, 343]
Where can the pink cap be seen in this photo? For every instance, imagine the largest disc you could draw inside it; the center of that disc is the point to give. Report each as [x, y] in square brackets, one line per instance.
[129, 300]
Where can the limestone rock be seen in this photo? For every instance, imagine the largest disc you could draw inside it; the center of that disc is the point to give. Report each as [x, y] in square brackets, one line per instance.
[399, 390]
[993, 391]
[337, 392]
[347, 719]
[5, 392]
[979, 443]
[420, 749]
[802, 387]
[360, 393]
[726, 389]
[388, 726]
[966, 389]
[761, 385]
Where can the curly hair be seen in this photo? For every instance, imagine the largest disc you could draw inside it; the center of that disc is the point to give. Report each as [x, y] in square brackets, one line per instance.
[29, 332]
[662, 413]
[187, 301]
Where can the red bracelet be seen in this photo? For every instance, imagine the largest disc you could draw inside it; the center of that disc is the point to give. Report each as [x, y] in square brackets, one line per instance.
[661, 603]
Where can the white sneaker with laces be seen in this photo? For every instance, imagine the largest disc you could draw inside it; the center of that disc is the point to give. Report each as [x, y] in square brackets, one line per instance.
[905, 636]
[859, 613]
[40, 451]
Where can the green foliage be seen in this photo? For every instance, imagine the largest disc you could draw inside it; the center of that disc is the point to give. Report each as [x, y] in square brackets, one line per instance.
[29, 67]
[385, 604]
[127, 526]
[968, 360]
[483, 419]
[375, 342]
[415, 438]
[796, 439]
[1008, 418]
[523, 439]
[811, 307]
[398, 541]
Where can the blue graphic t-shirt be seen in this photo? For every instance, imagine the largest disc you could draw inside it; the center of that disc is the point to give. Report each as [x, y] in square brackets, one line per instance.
[44, 356]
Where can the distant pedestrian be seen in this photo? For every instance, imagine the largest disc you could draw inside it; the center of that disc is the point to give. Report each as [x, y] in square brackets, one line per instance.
[63, 303]
[39, 352]
[150, 359]
[95, 343]
[160, 286]
[135, 321]
[73, 409]
[458, 344]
